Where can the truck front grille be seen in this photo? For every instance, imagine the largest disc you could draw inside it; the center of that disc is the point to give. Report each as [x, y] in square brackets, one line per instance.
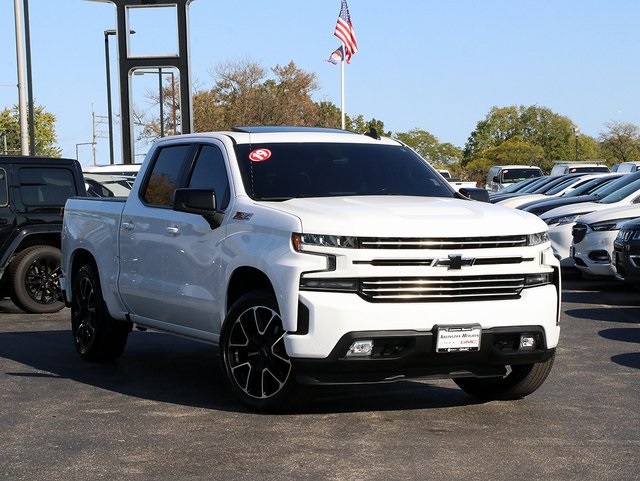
[443, 289]
[447, 243]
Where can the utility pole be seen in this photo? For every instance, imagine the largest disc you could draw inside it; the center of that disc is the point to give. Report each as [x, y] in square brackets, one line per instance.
[22, 100]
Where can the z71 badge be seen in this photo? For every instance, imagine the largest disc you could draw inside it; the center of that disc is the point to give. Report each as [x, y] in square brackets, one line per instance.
[242, 216]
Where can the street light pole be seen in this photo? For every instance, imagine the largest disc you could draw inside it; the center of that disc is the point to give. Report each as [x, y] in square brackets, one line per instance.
[576, 131]
[107, 34]
[160, 73]
[109, 108]
[161, 102]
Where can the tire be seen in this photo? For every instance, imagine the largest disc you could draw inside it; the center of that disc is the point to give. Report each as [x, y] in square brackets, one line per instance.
[253, 355]
[34, 277]
[521, 381]
[96, 335]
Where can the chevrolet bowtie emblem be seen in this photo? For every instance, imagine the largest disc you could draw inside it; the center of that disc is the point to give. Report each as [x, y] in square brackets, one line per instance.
[455, 261]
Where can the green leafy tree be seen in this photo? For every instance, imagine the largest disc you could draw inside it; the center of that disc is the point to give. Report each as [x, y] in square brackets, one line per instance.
[429, 147]
[620, 142]
[536, 126]
[44, 127]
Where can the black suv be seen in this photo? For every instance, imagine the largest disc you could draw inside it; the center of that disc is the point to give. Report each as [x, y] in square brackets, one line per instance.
[626, 252]
[32, 192]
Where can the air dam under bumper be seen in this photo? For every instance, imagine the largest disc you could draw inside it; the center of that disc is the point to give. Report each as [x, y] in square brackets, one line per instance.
[409, 354]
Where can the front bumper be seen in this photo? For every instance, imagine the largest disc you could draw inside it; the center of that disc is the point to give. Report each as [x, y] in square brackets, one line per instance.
[593, 254]
[410, 354]
[331, 316]
[627, 262]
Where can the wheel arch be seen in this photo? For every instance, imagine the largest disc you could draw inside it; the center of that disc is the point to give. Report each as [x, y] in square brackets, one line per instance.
[79, 258]
[246, 279]
[28, 238]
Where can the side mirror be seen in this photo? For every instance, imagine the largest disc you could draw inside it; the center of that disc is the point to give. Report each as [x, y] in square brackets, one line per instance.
[198, 201]
[496, 179]
[481, 195]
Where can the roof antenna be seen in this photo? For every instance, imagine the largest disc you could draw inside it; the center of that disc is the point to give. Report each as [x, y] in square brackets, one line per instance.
[373, 133]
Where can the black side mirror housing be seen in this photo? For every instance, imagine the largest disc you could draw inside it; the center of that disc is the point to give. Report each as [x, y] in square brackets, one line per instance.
[198, 201]
[481, 195]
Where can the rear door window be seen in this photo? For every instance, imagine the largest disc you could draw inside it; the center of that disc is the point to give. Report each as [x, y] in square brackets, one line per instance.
[45, 187]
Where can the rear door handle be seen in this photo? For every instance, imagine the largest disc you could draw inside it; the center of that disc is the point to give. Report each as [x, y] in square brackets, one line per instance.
[173, 230]
[128, 225]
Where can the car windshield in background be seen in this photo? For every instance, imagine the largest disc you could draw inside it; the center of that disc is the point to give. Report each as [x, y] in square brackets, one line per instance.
[516, 175]
[281, 171]
[621, 193]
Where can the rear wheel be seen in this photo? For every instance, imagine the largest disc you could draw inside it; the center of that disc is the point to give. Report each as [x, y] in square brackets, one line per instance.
[35, 284]
[96, 335]
[521, 381]
[253, 355]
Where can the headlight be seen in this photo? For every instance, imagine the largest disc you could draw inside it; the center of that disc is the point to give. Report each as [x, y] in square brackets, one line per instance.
[613, 224]
[299, 241]
[563, 219]
[538, 238]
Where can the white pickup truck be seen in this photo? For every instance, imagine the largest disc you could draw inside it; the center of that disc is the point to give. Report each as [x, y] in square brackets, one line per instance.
[314, 256]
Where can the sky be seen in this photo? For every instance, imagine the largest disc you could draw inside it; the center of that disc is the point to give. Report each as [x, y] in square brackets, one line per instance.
[436, 65]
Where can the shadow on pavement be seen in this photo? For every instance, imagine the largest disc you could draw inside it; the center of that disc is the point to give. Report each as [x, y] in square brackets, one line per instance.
[166, 368]
[629, 315]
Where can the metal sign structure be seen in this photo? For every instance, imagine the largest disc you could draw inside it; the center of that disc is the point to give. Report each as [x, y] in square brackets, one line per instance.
[127, 64]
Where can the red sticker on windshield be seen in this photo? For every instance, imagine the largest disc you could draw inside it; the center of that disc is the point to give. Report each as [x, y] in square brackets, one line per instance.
[259, 155]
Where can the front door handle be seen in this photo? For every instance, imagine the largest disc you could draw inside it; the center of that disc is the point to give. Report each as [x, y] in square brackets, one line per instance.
[128, 225]
[173, 231]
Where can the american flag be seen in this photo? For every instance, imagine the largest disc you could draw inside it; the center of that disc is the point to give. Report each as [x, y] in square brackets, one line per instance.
[344, 31]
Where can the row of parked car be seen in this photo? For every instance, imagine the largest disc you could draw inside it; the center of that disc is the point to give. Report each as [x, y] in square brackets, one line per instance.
[593, 218]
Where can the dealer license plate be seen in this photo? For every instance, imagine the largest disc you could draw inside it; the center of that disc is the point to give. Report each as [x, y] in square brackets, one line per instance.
[458, 338]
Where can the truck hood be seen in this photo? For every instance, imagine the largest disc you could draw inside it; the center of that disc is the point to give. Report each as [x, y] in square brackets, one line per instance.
[401, 216]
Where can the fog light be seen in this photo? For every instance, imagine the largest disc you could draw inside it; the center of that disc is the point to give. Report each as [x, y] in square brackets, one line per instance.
[360, 348]
[527, 341]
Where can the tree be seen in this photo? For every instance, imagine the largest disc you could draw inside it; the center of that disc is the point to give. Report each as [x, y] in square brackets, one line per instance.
[429, 147]
[621, 142]
[44, 127]
[533, 125]
[245, 93]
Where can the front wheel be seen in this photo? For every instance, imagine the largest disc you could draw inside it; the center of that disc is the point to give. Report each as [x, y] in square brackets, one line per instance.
[253, 354]
[521, 381]
[96, 335]
[35, 284]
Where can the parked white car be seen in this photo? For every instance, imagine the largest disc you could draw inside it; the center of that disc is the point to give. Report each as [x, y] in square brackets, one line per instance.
[561, 219]
[593, 236]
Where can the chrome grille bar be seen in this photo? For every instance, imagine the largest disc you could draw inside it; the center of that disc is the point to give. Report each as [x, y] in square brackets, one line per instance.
[443, 243]
[442, 288]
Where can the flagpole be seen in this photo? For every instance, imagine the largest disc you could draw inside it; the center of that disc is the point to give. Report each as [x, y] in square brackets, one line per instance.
[342, 90]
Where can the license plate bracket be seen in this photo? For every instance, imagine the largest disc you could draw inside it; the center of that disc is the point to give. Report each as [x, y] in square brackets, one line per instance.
[464, 338]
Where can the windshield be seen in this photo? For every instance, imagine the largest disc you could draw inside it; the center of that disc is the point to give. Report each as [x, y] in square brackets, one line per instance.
[518, 185]
[516, 175]
[589, 186]
[605, 190]
[621, 193]
[281, 171]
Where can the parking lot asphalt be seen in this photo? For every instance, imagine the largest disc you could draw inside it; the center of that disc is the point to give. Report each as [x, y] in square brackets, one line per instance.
[163, 412]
